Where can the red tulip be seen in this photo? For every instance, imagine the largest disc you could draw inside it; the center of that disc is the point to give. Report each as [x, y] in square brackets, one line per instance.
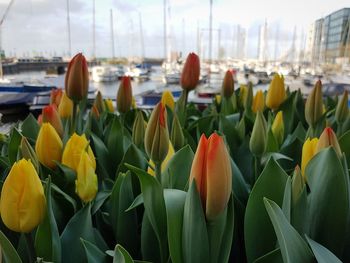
[211, 168]
[55, 96]
[77, 78]
[124, 96]
[328, 139]
[40, 119]
[190, 72]
[228, 84]
[50, 114]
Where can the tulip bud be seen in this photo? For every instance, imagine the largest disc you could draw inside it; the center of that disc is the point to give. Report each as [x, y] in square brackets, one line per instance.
[50, 114]
[86, 183]
[133, 103]
[77, 78]
[278, 128]
[55, 96]
[258, 139]
[328, 138]
[190, 72]
[28, 153]
[241, 129]
[249, 100]
[65, 109]
[298, 184]
[342, 111]
[276, 93]
[168, 99]
[258, 102]
[157, 135]
[109, 105]
[23, 203]
[168, 157]
[227, 87]
[40, 119]
[218, 99]
[243, 93]
[99, 103]
[94, 112]
[211, 169]
[124, 96]
[314, 105]
[177, 136]
[48, 146]
[308, 152]
[138, 130]
[75, 146]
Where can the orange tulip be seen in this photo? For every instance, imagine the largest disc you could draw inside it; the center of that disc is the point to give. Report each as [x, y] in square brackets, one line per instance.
[77, 78]
[124, 96]
[40, 119]
[55, 96]
[190, 72]
[50, 114]
[211, 168]
[227, 88]
[327, 139]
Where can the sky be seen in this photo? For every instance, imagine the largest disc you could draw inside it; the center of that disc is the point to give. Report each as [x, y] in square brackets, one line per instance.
[39, 27]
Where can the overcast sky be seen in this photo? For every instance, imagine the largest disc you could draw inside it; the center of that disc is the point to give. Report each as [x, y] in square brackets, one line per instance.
[40, 26]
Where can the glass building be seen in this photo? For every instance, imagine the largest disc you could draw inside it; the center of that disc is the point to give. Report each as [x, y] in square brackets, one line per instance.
[332, 37]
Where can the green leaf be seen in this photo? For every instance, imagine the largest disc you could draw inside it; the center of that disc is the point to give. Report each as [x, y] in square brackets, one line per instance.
[100, 199]
[174, 202]
[124, 223]
[195, 242]
[93, 253]
[240, 187]
[328, 200]
[80, 226]
[274, 256]
[322, 254]
[134, 157]
[102, 157]
[258, 230]
[15, 141]
[121, 255]
[47, 239]
[287, 199]
[149, 243]
[30, 127]
[293, 246]
[155, 207]
[175, 175]
[344, 143]
[8, 251]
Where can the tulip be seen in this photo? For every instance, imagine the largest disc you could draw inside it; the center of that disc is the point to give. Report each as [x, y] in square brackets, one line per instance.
[75, 146]
[276, 93]
[308, 152]
[48, 146]
[177, 136]
[211, 169]
[55, 96]
[258, 102]
[258, 139]
[65, 109]
[99, 103]
[138, 130]
[314, 105]
[328, 138]
[278, 128]
[168, 99]
[342, 111]
[227, 87]
[243, 93]
[249, 99]
[40, 119]
[124, 96]
[23, 203]
[86, 183]
[50, 114]
[109, 105]
[94, 112]
[298, 185]
[190, 72]
[77, 78]
[169, 155]
[218, 99]
[157, 135]
[28, 153]
[133, 103]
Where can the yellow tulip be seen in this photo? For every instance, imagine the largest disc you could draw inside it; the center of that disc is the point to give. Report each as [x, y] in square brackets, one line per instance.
[218, 99]
[23, 201]
[278, 128]
[75, 146]
[48, 146]
[308, 152]
[258, 102]
[65, 109]
[86, 183]
[276, 93]
[133, 103]
[168, 99]
[109, 105]
[170, 154]
[314, 105]
[99, 103]
[243, 94]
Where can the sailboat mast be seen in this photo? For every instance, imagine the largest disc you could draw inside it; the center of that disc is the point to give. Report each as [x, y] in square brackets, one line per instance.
[141, 38]
[165, 31]
[93, 30]
[68, 31]
[210, 30]
[112, 35]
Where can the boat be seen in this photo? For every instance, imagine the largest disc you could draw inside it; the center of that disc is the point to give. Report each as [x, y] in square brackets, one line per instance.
[243, 78]
[104, 73]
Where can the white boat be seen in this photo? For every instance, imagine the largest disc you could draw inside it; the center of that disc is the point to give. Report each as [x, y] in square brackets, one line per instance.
[244, 78]
[138, 73]
[104, 74]
[172, 77]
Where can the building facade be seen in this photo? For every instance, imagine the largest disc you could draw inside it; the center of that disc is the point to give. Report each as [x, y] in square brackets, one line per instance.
[331, 37]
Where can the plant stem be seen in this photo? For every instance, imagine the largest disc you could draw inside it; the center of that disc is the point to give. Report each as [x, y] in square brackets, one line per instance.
[256, 167]
[30, 247]
[74, 118]
[158, 171]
